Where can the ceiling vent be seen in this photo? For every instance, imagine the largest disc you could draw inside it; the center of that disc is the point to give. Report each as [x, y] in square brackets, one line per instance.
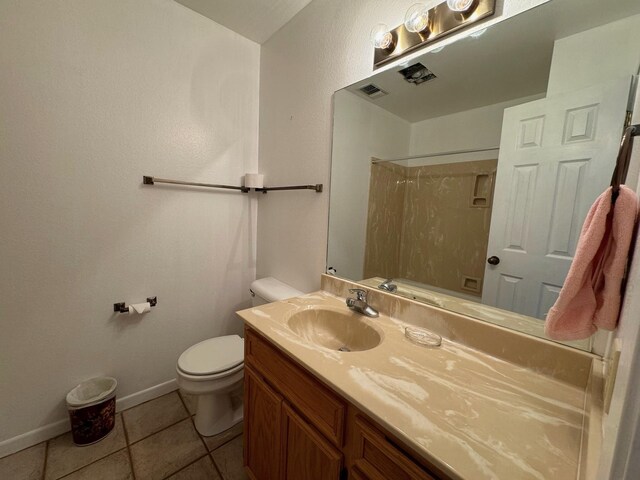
[372, 91]
[417, 74]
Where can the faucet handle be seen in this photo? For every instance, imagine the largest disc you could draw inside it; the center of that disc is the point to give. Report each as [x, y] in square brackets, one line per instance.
[360, 294]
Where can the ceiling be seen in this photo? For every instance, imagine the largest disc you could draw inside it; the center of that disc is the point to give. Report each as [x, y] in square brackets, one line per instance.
[510, 60]
[256, 20]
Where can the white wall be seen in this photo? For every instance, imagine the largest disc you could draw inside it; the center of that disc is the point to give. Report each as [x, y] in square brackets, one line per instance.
[478, 128]
[322, 49]
[595, 56]
[361, 130]
[94, 94]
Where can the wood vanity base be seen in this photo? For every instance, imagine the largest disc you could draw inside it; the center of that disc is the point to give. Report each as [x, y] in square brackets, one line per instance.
[297, 428]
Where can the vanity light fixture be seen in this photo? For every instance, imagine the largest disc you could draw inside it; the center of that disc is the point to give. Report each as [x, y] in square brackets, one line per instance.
[416, 20]
[381, 37]
[423, 25]
[461, 6]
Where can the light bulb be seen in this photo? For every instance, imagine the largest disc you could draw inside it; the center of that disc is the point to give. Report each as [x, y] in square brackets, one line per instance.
[416, 19]
[460, 5]
[381, 36]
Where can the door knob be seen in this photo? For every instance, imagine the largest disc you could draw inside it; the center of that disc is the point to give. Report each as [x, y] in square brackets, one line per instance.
[493, 260]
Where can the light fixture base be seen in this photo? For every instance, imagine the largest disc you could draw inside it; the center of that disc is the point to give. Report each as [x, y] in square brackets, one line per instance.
[442, 21]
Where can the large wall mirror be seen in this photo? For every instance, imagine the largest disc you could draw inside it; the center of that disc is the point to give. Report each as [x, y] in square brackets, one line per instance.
[464, 175]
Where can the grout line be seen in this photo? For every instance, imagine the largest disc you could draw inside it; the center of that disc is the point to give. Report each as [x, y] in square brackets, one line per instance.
[147, 401]
[184, 402]
[188, 465]
[215, 465]
[225, 442]
[161, 430]
[210, 453]
[126, 439]
[110, 434]
[46, 455]
[89, 464]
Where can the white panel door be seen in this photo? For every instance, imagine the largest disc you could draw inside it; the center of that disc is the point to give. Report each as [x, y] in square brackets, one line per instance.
[557, 155]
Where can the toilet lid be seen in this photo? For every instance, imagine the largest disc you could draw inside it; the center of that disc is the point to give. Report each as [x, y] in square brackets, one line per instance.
[214, 355]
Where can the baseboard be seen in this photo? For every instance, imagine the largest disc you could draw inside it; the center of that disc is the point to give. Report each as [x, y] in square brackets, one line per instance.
[26, 440]
[146, 395]
[47, 432]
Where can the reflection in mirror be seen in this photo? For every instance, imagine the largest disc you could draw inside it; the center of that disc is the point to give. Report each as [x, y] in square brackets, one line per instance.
[468, 187]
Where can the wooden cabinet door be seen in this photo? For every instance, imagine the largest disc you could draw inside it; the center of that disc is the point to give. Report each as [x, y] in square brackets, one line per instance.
[263, 421]
[306, 454]
[375, 458]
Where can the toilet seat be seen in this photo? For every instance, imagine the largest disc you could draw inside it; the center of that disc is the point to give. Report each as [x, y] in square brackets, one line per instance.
[215, 357]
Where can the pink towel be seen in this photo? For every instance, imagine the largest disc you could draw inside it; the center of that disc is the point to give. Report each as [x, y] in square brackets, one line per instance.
[591, 294]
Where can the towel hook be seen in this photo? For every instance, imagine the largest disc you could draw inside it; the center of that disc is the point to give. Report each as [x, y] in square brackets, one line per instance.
[623, 160]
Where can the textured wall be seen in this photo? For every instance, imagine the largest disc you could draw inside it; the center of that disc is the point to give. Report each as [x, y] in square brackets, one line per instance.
[94, 95]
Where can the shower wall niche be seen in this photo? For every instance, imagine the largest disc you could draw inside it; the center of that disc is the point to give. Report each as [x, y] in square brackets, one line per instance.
[429, 224]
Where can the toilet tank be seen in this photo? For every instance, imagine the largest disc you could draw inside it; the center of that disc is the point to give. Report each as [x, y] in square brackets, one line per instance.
[269, 289]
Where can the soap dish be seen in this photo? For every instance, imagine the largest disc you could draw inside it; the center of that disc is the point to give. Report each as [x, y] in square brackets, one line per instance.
[422, 337]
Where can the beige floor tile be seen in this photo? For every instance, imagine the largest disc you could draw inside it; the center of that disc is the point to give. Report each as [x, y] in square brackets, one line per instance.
[64, 457]
[24, 465]
[114, 467]
[166, 452]
[203, 469]
[229, 460]
[191, 401]
[222, 438]
[153, 416]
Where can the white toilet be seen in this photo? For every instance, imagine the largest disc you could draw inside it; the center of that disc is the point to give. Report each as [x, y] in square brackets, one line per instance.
[213, 369]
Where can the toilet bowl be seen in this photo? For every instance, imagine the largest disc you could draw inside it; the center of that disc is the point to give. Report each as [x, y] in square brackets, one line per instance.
[213, 369]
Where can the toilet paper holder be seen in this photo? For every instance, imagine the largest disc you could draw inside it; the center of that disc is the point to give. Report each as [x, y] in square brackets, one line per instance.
[122, 307]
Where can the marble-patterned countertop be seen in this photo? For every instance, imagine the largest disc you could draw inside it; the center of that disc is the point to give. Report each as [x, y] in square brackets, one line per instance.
[471, 414]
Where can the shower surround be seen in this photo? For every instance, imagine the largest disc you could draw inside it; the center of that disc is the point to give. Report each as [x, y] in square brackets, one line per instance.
[430, 223]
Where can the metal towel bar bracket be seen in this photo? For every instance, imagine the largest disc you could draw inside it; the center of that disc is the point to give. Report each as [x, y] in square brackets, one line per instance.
[148, 180]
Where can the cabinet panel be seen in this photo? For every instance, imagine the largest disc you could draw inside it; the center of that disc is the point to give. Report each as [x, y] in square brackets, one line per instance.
[375, 458]
[323, 409]
[307, 455]
[355, 474]
[262, 417]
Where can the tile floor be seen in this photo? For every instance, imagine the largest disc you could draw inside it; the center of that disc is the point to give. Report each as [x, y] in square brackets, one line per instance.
[154, 440]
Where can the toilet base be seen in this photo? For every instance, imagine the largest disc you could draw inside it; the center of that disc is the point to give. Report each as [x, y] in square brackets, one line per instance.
[209, 421]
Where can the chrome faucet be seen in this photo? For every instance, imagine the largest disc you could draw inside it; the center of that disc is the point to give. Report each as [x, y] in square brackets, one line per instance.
[359, 304]
[388, 285]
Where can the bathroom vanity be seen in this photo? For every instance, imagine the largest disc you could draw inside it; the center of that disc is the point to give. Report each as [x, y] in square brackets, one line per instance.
[296, 427]
[487, 403]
